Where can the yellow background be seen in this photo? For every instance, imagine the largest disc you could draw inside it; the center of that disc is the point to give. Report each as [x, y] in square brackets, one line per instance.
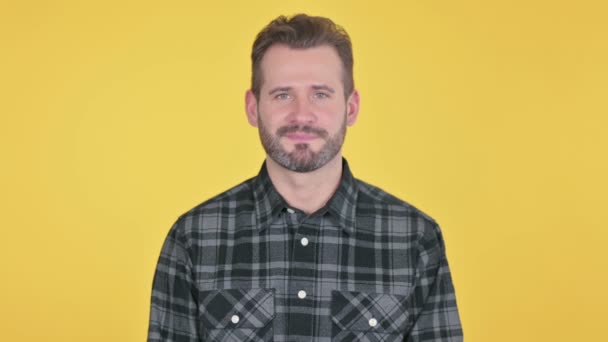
[118, 116]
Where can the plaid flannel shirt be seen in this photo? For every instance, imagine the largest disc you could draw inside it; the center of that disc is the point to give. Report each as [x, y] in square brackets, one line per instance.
[244, 266]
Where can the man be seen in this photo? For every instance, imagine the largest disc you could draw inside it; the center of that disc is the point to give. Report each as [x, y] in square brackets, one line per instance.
[303, 251]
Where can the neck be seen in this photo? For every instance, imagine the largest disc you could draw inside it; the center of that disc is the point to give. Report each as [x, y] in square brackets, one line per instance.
[308, 191]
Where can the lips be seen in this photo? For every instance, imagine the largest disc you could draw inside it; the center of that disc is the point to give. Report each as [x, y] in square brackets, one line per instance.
[299, 136]
[302, 133]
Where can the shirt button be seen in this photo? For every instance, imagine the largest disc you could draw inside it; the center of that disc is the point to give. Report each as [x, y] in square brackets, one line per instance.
[291, 211]
[304, 242]
[372, 322]
[234, 319]
[302, 294]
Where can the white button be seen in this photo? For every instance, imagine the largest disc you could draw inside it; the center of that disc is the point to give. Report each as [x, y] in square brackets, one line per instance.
[373, 322]
[235, 319]
[291, 211]
[304, 241]
[302, 294]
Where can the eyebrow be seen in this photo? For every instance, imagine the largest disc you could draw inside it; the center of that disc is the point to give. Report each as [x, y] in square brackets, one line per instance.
[315, 87]
[278, 89]
[324, 87]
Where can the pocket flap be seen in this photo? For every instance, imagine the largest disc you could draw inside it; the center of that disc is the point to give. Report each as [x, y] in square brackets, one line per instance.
[359, 311]
[237, 308]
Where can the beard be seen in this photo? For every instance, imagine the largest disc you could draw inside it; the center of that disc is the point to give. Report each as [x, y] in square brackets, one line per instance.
[302, 159]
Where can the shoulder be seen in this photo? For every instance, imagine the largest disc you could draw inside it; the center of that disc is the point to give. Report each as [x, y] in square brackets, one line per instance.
[403, 217]
[371, 197]
[213, 212]
[235, 197]
[403, 220]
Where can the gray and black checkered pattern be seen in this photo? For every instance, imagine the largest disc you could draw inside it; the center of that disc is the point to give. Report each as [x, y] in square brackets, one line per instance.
[244, 266]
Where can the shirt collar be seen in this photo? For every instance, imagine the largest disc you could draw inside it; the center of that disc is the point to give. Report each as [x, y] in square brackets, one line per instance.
[341, 206]
[267, 200]
[343, 203]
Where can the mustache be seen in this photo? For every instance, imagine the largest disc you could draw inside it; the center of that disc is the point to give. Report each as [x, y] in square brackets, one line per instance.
[303, 129]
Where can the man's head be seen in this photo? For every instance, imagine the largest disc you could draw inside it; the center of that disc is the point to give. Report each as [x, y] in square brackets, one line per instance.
[302, 95]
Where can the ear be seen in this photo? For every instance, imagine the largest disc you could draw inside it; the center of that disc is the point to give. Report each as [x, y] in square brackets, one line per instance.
[352, 108]
[251, 108]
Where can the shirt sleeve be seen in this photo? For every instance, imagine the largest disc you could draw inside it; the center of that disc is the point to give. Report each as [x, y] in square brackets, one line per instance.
[174, 308]
[435, 309]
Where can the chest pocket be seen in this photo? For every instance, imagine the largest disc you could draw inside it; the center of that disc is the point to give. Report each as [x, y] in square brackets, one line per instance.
[359, 316]
[238, 315]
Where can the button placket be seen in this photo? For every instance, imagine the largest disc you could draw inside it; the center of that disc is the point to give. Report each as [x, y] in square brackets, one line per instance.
[303, 270]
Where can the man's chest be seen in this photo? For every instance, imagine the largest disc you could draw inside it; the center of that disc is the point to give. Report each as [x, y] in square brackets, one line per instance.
[302, 278]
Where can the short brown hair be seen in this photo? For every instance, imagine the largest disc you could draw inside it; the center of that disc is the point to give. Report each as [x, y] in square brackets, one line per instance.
[302, 31]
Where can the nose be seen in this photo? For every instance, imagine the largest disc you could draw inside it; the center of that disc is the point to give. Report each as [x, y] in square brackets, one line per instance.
[302, 111]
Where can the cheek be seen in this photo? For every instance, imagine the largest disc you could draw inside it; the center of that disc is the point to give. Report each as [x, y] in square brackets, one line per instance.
[273, 110]
[336, 108]
[333, 116]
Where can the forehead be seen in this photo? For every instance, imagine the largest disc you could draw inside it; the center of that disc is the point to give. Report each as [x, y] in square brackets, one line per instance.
[313, 65]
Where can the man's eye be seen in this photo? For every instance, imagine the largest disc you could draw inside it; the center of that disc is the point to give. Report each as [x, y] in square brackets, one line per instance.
[282, 96]
[321, 95]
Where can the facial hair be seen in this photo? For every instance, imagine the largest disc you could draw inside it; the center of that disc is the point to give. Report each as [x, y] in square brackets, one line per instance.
[302, 159]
